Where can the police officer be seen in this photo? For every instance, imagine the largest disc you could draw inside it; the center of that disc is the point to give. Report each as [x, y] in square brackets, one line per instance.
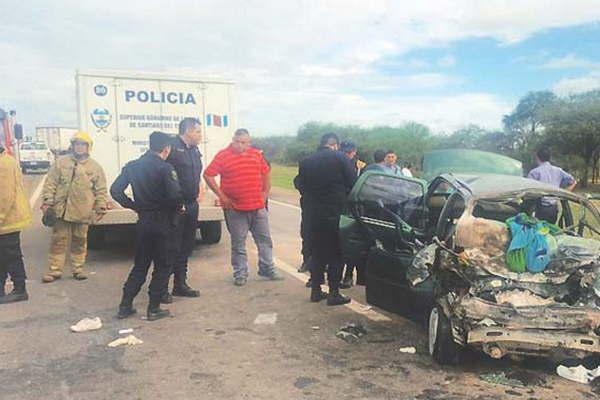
[186, 160]
[157, 199]
[326, 177]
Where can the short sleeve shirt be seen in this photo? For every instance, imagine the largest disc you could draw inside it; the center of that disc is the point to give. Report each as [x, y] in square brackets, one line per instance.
[241, 177]
[552, 175]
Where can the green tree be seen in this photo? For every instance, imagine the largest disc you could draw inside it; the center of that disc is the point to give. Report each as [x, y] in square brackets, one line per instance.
[573, 127]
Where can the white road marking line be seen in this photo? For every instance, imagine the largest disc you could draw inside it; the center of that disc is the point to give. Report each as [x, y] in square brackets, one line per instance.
[288, 205]
[37, 192]
[354, 305]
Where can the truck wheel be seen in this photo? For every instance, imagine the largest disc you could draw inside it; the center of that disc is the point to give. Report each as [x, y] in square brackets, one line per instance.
[24, 170]
[96, 237]
[210, 231]
[442, 347]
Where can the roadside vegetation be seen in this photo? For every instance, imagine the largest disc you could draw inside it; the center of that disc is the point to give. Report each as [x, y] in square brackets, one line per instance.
[569, 125]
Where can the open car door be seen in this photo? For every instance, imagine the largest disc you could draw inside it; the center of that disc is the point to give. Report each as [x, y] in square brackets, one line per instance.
[384, 224]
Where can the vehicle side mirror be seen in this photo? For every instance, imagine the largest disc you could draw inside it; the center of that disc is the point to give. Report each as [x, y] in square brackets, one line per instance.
[18, 131]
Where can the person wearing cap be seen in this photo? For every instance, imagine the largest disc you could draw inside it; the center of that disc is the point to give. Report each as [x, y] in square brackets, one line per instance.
[75, 195]
[158, 202]
[15, 215]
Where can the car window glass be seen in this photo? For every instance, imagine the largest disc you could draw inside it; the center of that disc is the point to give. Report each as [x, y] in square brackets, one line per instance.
[399, 195]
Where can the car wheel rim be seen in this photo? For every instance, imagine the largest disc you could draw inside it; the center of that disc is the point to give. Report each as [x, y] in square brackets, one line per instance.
[433, 327]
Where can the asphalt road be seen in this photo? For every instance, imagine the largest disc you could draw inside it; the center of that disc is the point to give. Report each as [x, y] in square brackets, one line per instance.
[213, 348]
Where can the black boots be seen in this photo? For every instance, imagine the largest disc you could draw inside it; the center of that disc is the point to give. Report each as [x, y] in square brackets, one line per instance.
[316, 294]
[166, 298]
[183, 290]
[155, 312]
[336, 299]
[19, 293]
[126, 307]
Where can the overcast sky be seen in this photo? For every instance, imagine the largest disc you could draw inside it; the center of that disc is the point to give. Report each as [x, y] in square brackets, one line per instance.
[442, 63]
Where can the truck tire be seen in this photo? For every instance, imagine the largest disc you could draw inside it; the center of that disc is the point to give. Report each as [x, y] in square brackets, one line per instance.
[24, 170]
[210, 231]
[442, 347]
[96, 237]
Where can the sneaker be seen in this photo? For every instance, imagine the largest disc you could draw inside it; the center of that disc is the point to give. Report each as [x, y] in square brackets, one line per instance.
[51, 277]
[272, 275]
[240, 281]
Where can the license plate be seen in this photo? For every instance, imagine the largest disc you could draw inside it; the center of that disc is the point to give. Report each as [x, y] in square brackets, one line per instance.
[33, 163]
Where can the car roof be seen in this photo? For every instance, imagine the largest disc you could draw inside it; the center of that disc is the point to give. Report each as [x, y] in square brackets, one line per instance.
[483, 184]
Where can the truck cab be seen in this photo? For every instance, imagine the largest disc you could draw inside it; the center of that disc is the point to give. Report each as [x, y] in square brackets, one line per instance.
[34, 156]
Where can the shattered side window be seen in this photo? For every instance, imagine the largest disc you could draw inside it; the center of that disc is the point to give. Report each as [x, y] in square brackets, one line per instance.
[585, 223]
[399, 195]
[498, 210]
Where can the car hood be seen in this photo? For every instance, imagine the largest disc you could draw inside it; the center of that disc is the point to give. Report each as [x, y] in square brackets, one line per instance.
[464, 161]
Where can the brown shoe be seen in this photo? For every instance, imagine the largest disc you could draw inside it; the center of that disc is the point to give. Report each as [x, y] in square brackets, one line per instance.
[80, 276]
[50, 277]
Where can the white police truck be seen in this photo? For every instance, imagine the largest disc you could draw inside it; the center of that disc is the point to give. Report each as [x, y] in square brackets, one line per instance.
[120, 110]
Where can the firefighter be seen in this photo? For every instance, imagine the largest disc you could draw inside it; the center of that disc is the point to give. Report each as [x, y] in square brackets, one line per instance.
[74, 195]
[15, 215]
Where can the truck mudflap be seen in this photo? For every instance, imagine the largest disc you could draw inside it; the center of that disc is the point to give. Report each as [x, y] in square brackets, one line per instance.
[498, 342]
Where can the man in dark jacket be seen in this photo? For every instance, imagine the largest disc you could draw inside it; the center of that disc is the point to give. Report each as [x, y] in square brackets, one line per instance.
[158, 201]
[325, 178]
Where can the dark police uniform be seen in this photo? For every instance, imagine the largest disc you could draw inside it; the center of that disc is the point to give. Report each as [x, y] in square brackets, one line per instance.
[187, 162]
[325, 178]
[157, 200]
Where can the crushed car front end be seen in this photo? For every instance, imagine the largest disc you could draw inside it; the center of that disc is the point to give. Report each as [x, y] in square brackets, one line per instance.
[554, 313]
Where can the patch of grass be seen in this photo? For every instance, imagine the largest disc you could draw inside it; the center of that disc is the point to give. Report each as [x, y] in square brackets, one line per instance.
[282, 176]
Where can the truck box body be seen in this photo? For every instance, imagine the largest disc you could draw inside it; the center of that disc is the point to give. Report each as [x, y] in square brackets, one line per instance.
[120, 110]
[57, 138]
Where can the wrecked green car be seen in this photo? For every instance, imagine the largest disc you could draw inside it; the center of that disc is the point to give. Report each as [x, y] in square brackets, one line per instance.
[436, 252]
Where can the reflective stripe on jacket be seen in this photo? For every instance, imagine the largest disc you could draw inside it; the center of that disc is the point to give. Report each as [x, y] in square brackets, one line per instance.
[15, 214]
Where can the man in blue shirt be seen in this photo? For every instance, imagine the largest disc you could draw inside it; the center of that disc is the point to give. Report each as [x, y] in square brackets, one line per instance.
[547, 208]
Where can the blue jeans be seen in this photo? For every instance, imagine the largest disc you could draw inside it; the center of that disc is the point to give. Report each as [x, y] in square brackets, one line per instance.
[257, 222]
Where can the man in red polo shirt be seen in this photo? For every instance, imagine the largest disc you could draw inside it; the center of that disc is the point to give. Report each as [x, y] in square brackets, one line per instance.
[245, 185]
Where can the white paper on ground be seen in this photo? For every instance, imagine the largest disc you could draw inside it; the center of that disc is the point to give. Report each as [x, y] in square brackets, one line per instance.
[266, 319]
[129, 340]
[87, 324]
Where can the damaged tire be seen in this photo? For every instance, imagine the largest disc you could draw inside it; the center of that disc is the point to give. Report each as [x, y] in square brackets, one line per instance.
[442, 347]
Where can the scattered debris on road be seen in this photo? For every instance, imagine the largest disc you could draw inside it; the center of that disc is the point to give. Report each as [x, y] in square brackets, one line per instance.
[351, 332]
[315, 328]
[266, 319]
[129, 341]
[578, 374]
[408, 350]
[125, 331]
[87, 324]
[501, 379]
